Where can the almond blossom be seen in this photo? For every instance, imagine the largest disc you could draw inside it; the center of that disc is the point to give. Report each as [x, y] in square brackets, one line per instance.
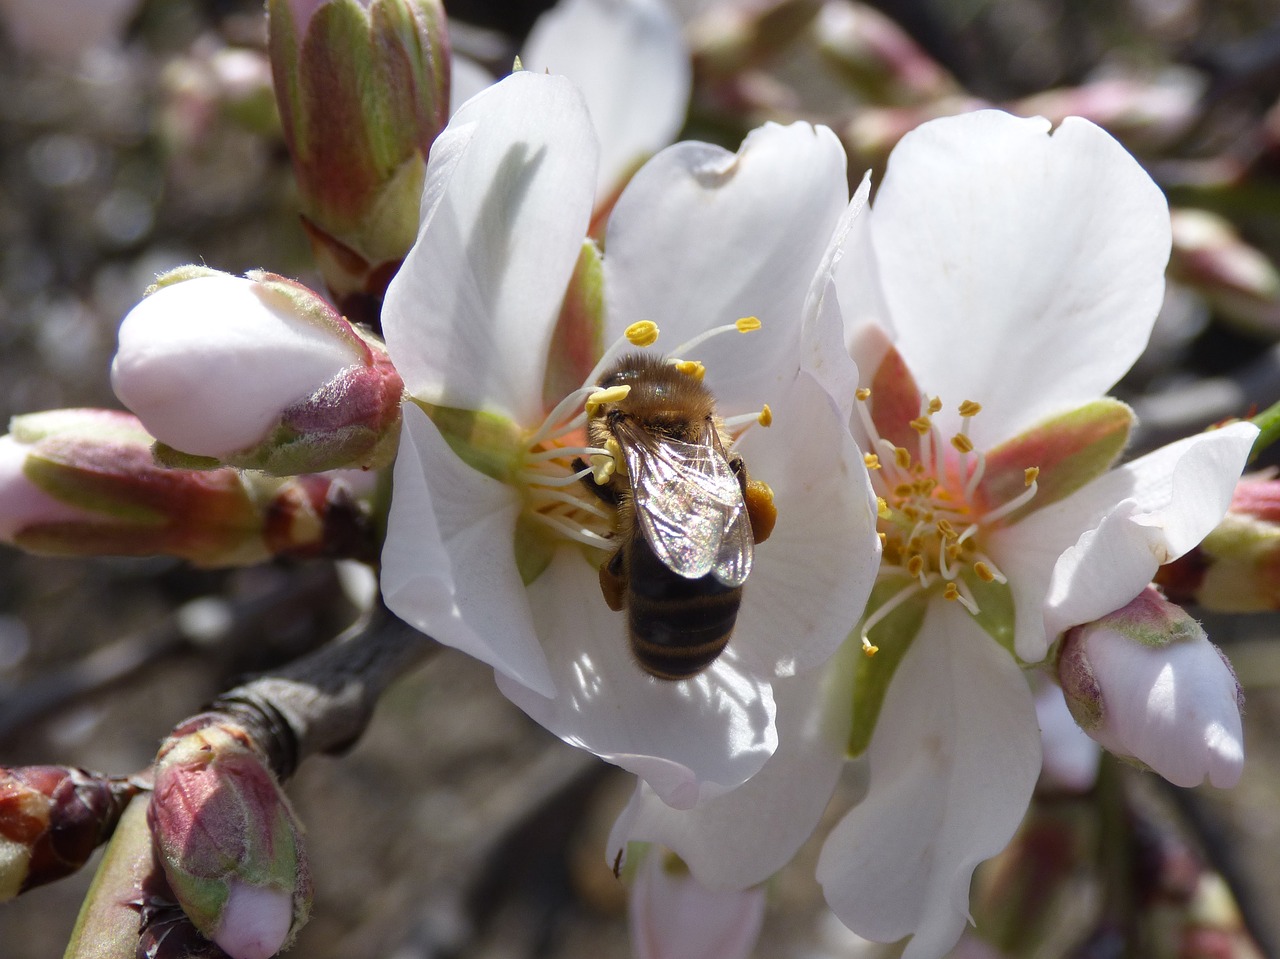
[1004, 280]
[501, 322]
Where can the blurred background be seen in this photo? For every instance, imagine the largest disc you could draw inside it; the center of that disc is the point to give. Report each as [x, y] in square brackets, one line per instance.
[138, 136]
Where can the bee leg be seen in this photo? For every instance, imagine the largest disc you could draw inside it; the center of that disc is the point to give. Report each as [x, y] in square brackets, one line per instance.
[613, 582]
[605, 492]
[758, 498]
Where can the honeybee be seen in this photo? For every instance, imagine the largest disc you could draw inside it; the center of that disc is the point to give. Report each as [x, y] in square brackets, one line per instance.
[688, 516]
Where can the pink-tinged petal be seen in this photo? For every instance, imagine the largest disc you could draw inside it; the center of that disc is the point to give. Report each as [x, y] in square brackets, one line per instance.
[631, 62]
[448, 567]
[811, 579]
[779, 807]
[22, 502]
[1023, 271]
[689, 740]
[672, 916]
[208, 364]
[255, 921]
[507, 201]
[953, 762]
[702, 237]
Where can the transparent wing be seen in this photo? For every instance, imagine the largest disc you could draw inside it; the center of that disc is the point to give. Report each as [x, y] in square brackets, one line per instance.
[689, 504]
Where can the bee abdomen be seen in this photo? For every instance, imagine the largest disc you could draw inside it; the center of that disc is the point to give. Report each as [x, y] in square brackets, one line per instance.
[678, 626]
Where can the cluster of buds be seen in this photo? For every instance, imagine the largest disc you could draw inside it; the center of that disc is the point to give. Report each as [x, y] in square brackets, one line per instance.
[52, 818]
[85, 482]
[363, 89]
[227, 839]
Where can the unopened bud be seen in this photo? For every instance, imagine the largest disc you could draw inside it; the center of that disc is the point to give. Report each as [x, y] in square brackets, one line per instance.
[732, 37]
[52, 818]
[1236, 568]
[227, 839]
[877, 57]
[1210, 256]
[363, 89]
[1147, 684]
[85, 483]
[1138, 110]
[673, 916]
[258, 373]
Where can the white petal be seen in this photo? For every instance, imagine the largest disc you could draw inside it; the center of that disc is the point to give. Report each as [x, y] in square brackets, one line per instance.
[954, 758]
[811, 578]
[689, 740]
[448, 565]
[508, 196]
[1070, 756]
[631, 62]
[1023, 271]
[702, 237]
[778, 807]
[673, 917]
[255, 921]
[1173, 707]
[209, 364]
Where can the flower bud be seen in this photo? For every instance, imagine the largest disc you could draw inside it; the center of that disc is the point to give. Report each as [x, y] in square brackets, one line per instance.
[877, 57]
[52, 818]
[1147, 684]
[259, 373]
[1236, 568]
[1210, 256]
[673, 916]
[227, 839]
[85, 483]
[363, 89]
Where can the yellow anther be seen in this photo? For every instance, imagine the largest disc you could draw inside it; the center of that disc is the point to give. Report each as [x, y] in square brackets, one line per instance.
[915, 565]
[970, 408]
[862, 393]
[946, 529]
[921, 424]
[517, 66]
[902, 491]
[748, 324]
[602, 468]
[597, 399]
[962, 443]
[690, 368]
[951, 591]
[884, 539]
[766, 416]
[867, 647]
[642, 333]
[901, 457]
[984, 572]
[872, 461]
[935, 406]
[1030, 474]
[882, 508]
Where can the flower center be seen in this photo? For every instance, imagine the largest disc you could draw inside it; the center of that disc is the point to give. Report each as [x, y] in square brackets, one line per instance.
[556, 457]
[932, 525]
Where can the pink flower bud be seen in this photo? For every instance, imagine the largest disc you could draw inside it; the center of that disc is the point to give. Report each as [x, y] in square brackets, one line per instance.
[259, 373]
[363, 89]
[228, 840]
[1210, 256]
[673, 916]
[1147, 684]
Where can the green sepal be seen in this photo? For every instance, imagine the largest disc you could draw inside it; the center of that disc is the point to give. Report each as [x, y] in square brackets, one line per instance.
[166, 456]
[1070, 450]
[181, 274]
[872, 674]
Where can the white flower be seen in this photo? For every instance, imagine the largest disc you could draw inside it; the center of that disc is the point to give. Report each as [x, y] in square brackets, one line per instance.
[1003, 282]
[1147, 684]
[493, 544]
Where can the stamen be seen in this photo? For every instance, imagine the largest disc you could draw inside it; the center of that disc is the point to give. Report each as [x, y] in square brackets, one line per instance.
[745, 325]
[869, 648]
[887, 607]
[576, 533]
[970, 409]
[1025, 497]
[642, 333]
[862, 393]
[540, 478]
[613, 394]
[983, 572]
[555, 425]
[765, 418]
[962, 443]
[921, 424]
[563, 452]
[543, 495]
[872, 461]
[902, 458]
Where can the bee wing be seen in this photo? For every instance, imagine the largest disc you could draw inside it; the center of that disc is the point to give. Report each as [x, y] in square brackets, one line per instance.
[689, 504]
